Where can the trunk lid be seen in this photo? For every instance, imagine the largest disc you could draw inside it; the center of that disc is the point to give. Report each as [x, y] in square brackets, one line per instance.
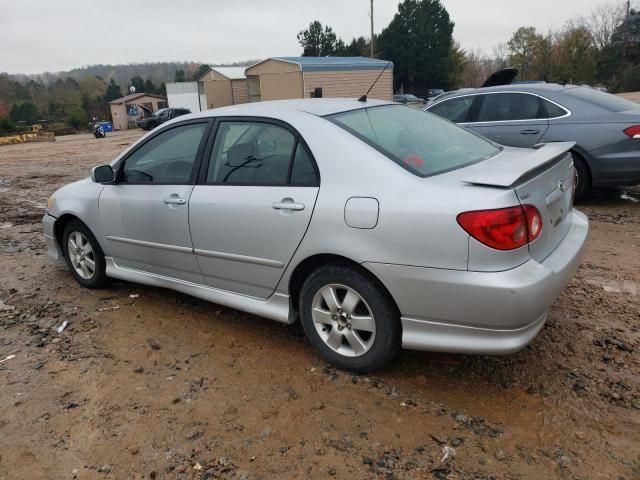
[542, 178]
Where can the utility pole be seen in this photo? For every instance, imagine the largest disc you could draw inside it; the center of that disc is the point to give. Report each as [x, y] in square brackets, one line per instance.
[372, 48]
[626, 29]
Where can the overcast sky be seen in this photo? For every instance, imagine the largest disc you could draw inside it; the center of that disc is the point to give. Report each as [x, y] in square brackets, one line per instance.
[38, 36]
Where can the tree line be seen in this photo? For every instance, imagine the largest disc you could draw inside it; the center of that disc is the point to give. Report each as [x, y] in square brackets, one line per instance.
[27, 100]
[600, 48]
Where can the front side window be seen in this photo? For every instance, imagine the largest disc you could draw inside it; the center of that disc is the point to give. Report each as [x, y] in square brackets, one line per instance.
[167, 158]
[501, 107]
[455, 110]
[258, 153]
[422, 143]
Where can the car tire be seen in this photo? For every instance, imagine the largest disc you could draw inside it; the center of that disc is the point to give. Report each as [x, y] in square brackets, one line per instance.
[350, 318]
[84, 255]
[584, 177]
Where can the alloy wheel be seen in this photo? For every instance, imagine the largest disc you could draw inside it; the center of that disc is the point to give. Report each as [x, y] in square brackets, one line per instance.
[343, 320]
[81, 255]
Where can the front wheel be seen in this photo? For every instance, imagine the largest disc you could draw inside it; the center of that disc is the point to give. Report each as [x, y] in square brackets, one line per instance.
[84, 255]
[349, 318]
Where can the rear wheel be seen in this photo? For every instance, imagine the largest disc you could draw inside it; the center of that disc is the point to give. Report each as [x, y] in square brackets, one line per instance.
[349, 318]
[583, 174]
[84, 255]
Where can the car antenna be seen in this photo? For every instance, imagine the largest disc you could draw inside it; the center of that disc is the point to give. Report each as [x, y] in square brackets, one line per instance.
[363, 98]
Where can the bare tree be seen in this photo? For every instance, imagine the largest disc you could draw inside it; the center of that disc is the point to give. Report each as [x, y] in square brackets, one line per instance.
[602, 22]
[474, 72]
[500, 54]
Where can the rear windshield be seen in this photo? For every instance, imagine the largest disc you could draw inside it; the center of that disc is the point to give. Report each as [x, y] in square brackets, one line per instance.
[601, 99]
[421, 142]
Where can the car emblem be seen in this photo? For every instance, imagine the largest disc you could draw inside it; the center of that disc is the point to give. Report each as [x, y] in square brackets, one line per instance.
[561, 186]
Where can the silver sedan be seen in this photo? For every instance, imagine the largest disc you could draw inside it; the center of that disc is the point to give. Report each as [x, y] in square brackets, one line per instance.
[379, 226]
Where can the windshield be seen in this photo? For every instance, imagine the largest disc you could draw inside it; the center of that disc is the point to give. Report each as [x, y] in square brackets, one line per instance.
[601, 99]
[421, 142]
[162, 111]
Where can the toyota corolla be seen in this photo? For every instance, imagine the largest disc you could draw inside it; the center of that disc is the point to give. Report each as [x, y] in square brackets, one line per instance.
[377, 225]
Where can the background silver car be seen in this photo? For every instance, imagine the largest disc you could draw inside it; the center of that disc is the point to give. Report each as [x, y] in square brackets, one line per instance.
[604, 127]
[378, 225]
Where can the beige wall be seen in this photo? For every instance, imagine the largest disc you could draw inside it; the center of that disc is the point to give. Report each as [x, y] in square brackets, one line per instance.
[240, 91]
[278, 80]
[350, 83]
[119, 116]
[218, 89]
[280, 86]
[218, 93]
[272, 66]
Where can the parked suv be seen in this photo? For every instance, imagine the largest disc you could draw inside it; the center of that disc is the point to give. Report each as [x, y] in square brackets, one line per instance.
[159, 117]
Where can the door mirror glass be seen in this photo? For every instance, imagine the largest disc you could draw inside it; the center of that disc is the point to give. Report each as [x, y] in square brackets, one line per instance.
[102, 174]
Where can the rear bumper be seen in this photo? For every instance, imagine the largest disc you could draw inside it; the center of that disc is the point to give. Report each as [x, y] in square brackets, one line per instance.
[53, 249]
[481, 312]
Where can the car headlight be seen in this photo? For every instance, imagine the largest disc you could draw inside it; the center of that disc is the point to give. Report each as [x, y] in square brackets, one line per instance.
[50, 202]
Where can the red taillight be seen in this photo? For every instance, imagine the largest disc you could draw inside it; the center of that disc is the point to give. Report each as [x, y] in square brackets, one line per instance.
[504, 228]
[633, 132]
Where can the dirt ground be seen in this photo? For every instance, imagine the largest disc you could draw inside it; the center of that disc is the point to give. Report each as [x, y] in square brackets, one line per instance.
[147, 383]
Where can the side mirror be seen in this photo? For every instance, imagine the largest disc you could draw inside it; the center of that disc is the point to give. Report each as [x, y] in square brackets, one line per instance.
[103, 174]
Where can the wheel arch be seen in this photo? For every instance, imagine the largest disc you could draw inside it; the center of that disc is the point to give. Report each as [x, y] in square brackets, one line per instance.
[307, 266]
[62, 222]
[584, 156]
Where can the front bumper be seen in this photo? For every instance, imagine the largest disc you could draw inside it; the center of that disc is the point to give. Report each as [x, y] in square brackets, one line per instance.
[53, 249]
[481, 312]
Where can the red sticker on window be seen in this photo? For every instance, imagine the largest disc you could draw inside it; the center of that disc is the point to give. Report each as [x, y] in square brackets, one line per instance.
[414, 160]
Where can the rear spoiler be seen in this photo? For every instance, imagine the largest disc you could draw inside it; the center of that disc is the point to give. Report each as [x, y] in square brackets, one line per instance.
[505, 169]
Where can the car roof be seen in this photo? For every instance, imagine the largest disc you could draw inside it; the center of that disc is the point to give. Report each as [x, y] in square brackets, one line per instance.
[540, 88]
[275, 108]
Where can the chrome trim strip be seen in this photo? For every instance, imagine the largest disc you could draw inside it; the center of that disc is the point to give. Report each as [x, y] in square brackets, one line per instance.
[568, 114]
[265, 262]
[143, 243]
[276, 307]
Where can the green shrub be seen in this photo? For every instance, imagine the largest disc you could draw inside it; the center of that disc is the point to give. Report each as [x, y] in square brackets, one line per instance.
[6, 125]
[77, 118]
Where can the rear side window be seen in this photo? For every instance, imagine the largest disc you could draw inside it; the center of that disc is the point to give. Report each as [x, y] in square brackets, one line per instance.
[422, 143]
[302, 172]
[259, 153]
[501, 107]
[455, 110]
[601, 99]
[553, 110]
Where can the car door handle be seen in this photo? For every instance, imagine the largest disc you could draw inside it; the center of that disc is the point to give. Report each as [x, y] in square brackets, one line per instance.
[288, 204]
[174, 200]
[529, 132]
